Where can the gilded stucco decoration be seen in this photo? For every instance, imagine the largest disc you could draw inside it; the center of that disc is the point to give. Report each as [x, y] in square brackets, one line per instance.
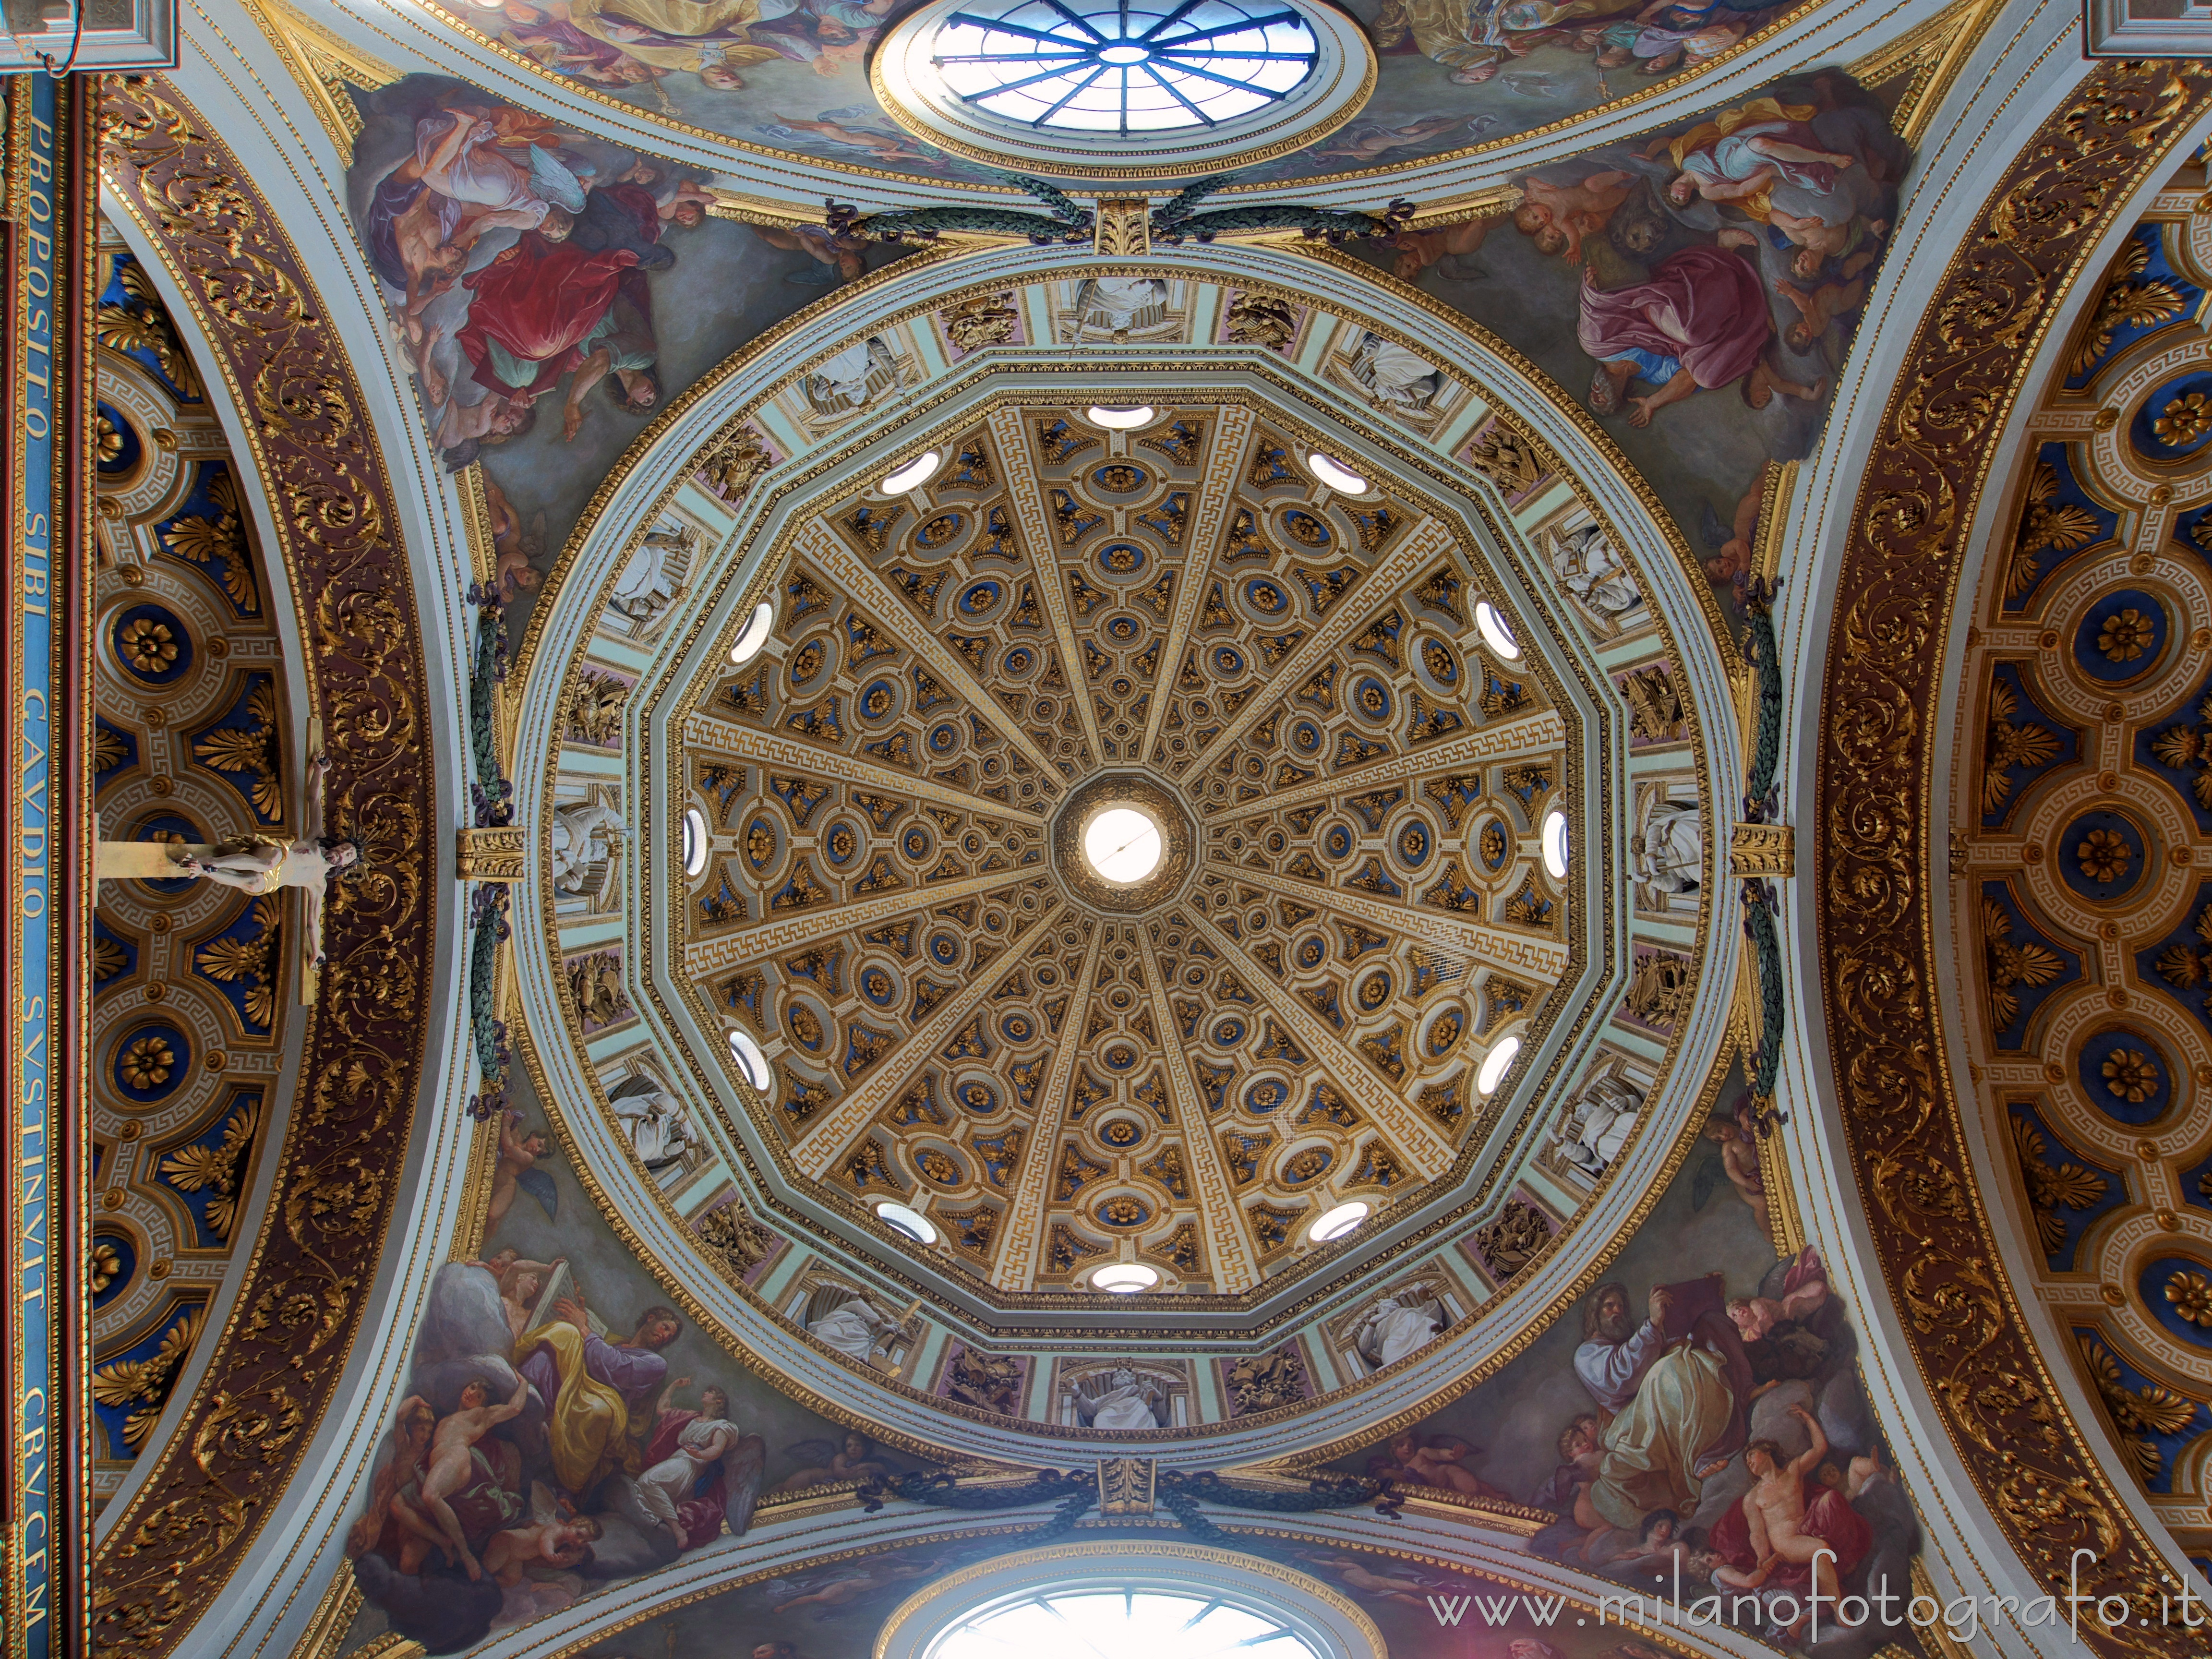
[1442, 765]
[2081, 790]
[192, 730]
[275, 1359]
[2077, 830]
[870, 899]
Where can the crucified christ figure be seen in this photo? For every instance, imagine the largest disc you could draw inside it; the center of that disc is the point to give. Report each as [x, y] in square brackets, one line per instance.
[253, 863]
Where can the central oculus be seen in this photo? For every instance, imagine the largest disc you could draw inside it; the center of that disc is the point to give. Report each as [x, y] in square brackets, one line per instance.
[1122, 841]
[1123, 844]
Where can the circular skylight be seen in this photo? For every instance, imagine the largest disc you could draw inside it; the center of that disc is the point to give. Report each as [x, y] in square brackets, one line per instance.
[1139, 66]
[1122, 844]
[695, 840]
[754, 635]
[1121, 1624]
[1125, 1278]
[901, 1219]
[1119, 420]
[1495, 633]
[1496, 1064]
[1334, 1223]
[1555, 842]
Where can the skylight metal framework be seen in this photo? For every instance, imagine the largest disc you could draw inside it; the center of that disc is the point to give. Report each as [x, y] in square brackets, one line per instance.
[1137, 66]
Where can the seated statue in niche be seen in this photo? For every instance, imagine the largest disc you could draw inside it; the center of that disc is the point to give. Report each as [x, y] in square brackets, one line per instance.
[1596, 1126]
[1667, 853]
[1398, 1324]
[655, 1122]
[849, 1322]
[584, 838]
[1120, 1400]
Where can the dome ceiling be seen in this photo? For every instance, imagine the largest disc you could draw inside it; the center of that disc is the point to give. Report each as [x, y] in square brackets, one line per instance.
[1291, 1010]
[876, 624]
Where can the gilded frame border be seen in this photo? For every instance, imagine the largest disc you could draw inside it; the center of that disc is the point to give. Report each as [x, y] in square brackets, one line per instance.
[1873, 870]
[276, 1364]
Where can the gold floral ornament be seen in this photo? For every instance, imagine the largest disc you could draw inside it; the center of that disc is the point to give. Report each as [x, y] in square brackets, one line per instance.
[2130, 1076]
[148, 647]
[2191, 1297]
[108, 959]
[105, 1266]
[2125, 636]
[202, 539]
[2181, 966]
[2045, 522]
[107, 749]
[2010, 743]
[2184, 421]
[140, 324]
[2152, 1410]
[144, 1384]
[2180, 746]
[251, 748]
[219, 1170]
[2125, 303]
[253, 960]
[2104, 856]
[106, 441]
[2011, 964]
[2052, 1187]
[147, 1062]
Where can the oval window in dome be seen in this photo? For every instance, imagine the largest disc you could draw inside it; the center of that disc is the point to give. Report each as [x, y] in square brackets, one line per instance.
[1118, 420]
[695, 840]
[1336, 1223]
[1095, 67]
[912, 475]
[1125, 1278]
[1555, 843]
[1339, 478]
[1495, 634]
[750, 1060]
[754, 635]
[900, 1218]
[1496, 1064]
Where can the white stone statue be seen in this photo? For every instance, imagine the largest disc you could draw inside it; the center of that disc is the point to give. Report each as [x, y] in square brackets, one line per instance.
[853, 1327]
[1402, 382]
[1589, 567]
[1667, 856]
[659, 1128]
[1118, 302]
[1396, 1326]
[1596, 1126]
[844, 378]
[584, 834]
[646, 583]
[1124, 1403]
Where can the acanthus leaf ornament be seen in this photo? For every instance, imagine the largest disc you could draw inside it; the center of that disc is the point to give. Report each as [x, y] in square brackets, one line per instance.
[273, 1366]
[1874, 850]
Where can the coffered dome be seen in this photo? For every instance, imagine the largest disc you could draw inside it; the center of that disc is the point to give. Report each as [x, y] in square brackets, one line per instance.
[1083, 609]
[880, 626]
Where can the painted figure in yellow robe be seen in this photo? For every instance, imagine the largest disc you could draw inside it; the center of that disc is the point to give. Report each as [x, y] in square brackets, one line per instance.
[598, 1395]
[708, 37]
